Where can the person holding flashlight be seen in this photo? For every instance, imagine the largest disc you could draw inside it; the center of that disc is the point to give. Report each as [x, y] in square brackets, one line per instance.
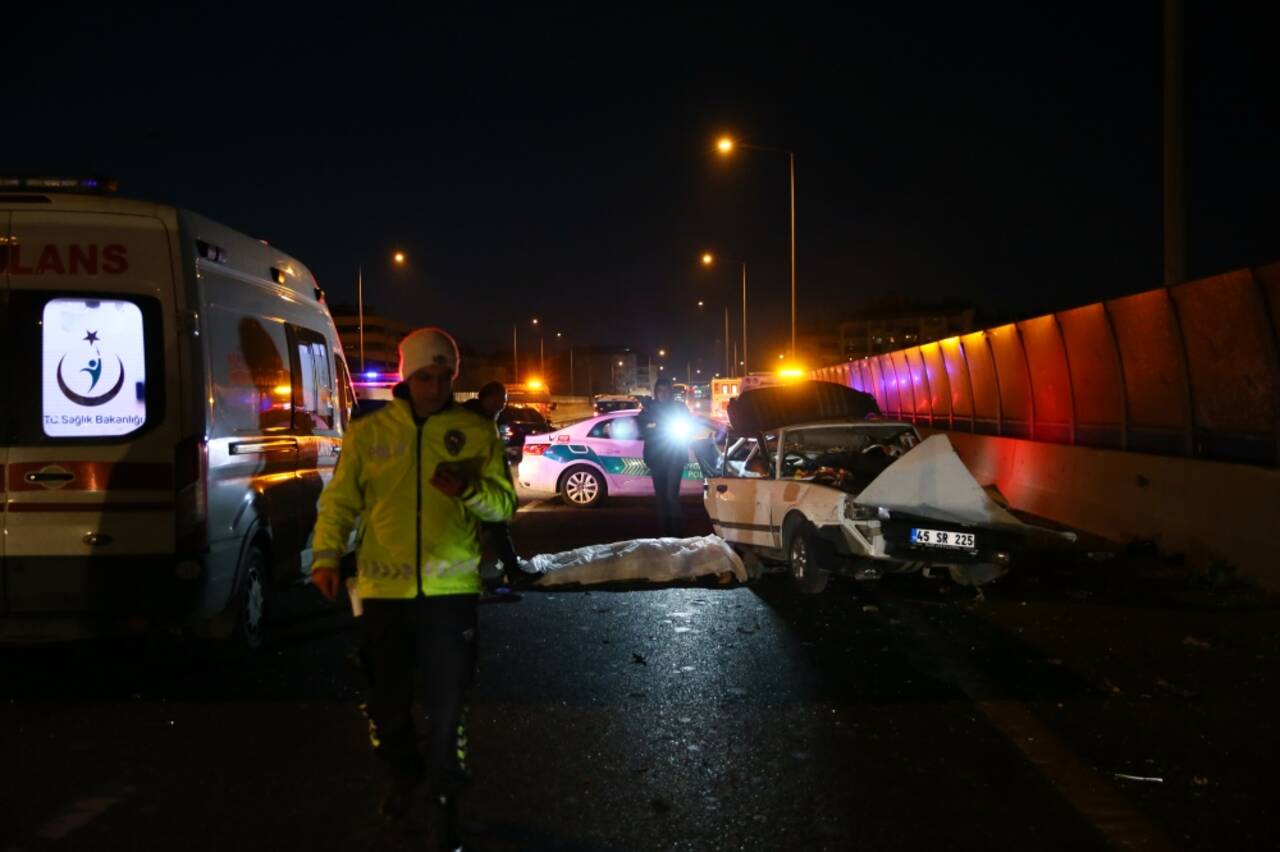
[666, 428]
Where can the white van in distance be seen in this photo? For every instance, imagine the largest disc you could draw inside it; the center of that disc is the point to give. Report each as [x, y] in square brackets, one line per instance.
[173, 397]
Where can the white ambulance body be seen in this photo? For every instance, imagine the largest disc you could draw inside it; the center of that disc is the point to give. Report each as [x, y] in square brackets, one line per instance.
[173, 397]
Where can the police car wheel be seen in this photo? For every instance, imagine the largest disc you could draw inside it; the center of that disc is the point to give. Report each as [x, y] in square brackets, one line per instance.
[582, 486]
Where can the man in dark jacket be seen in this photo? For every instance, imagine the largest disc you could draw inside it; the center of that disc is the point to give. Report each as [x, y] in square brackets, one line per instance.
[489, 403]
[665, 426]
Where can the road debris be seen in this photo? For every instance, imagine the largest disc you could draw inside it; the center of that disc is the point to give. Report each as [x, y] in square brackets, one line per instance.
[1148, 778]
[639, 660]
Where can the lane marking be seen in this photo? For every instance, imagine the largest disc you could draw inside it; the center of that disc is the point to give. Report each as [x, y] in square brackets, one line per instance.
[535, 505]
[1090, 793]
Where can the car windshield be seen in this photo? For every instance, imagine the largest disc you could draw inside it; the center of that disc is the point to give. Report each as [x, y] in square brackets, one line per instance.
[847, 456]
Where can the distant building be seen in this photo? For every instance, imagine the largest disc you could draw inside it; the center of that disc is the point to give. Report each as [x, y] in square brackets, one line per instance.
[876, 331]
[382, 336]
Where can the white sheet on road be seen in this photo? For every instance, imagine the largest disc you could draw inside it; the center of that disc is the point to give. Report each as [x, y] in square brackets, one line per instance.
[656, 560]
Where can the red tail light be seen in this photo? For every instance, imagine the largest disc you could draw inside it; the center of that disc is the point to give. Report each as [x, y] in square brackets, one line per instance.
[535, 449]
[191, 498]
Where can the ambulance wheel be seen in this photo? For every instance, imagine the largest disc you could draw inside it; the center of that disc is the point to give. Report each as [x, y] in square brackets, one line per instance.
[805, 557]
[582, 486]
[241, 626]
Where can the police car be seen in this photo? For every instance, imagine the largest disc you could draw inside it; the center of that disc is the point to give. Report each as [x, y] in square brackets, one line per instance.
[593, 459]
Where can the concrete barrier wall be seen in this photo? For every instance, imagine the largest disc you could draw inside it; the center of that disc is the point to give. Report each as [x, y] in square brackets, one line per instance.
[1210, 511]
[1151, 416]
[1191, 370]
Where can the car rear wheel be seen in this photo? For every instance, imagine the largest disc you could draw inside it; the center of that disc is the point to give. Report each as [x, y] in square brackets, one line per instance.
[805, 557]
[582, 486]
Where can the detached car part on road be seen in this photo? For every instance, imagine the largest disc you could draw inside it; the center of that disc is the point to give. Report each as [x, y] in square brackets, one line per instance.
[810, 485]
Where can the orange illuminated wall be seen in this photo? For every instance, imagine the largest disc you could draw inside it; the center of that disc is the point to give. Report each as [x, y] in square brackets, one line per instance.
[1190, 370]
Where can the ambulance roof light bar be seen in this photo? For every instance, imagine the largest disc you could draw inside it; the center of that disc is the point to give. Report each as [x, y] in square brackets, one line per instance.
[91, 185]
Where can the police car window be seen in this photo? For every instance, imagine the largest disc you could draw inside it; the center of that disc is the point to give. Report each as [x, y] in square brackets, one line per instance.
[617, 429]
[252, 378]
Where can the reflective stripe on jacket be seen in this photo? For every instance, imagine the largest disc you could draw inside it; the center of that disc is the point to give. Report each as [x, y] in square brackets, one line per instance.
[413, 538]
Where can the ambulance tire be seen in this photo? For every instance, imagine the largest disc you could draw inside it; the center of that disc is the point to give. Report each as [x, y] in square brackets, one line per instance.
[582, 486]
[241, 626]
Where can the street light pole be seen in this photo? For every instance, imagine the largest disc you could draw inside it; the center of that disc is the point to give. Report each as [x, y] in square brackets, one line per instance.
[792, 158]
[744, 314]
[707, 260]
[360, 299]
[515, 353]
[725, 146]
[726, 336]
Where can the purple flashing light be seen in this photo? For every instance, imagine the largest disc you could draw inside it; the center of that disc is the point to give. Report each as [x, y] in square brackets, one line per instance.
[372, 374]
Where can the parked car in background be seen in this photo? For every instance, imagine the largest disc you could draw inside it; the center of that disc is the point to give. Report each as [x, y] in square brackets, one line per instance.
[595, 458]
[517, 422]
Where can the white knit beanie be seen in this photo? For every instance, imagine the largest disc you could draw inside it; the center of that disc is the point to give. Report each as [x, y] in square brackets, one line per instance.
[428, 347]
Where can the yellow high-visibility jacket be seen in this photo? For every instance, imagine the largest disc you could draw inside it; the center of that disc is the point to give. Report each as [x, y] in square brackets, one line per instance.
[413, 539]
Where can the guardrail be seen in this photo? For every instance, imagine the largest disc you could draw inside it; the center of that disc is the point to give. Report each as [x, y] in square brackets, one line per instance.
[1191, 370]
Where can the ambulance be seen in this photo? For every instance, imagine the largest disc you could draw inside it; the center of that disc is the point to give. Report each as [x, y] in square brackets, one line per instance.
[173, 397]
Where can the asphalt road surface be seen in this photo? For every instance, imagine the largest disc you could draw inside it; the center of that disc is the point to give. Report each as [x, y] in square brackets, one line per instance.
[1082, 704]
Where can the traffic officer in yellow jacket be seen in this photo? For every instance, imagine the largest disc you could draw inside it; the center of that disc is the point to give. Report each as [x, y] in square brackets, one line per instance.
[422, 474]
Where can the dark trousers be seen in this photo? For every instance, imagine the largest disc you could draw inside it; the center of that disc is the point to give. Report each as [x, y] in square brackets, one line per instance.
[500, 535]
[666, 489]
[433, 638]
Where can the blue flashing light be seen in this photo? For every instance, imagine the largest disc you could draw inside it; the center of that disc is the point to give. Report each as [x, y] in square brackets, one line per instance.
[372, 374]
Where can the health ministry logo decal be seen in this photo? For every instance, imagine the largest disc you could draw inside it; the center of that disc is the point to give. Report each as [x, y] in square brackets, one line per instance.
[94, 368]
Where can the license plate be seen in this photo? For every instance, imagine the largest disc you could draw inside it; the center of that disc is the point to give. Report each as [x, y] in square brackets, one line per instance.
[944, 538]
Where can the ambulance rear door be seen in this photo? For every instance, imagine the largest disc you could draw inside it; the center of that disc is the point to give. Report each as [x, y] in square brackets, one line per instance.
[92, 402]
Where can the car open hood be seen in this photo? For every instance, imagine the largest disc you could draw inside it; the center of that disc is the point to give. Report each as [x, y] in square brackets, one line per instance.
[932, 482]
[768, 408]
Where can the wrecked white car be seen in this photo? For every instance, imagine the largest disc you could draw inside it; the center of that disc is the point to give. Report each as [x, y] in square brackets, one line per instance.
[808, 484]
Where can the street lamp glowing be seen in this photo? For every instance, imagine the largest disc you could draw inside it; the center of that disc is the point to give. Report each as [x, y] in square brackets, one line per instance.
[724, 145]
[535, 320]
[534, 384]
[699, 303]
[708, 258]
[662, 353]
[398, 258]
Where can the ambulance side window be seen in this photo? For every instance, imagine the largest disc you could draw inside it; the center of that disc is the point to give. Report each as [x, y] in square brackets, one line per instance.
[313, 401]
[252, 380]
[346, 395]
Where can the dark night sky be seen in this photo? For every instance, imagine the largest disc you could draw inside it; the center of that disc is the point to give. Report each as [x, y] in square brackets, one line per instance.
[558, 163]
